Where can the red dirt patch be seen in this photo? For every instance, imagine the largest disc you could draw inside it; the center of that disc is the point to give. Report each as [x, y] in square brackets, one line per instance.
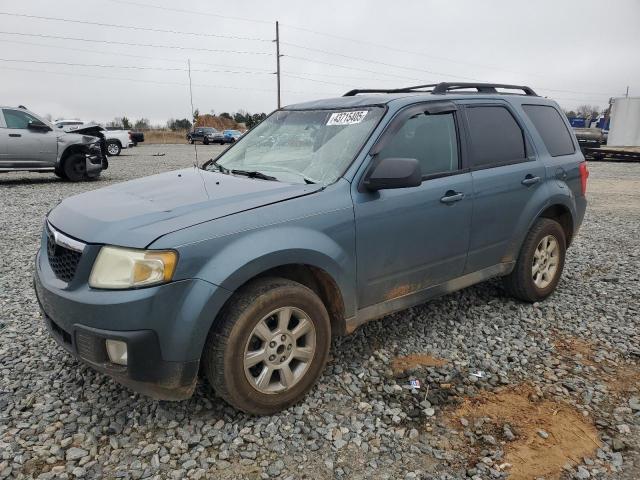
[570, 437]
[402, 364]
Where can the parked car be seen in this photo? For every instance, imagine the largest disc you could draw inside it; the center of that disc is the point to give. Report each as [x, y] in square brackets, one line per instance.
[206, 135]
[116, 138]
[232, 135]
[245, 268]
[30, 143]
[136, 137]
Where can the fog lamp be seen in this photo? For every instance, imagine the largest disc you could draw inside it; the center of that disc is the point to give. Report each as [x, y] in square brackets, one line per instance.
[117, 351]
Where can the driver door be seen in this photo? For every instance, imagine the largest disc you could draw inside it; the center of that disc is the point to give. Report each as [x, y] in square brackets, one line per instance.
[410, 239]
[28, 147]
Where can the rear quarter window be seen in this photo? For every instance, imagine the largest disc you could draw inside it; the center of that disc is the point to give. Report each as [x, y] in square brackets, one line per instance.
[551, 128]
[496, 137]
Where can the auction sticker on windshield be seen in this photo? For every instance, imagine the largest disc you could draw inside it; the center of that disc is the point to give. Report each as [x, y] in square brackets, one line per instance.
[347, 118]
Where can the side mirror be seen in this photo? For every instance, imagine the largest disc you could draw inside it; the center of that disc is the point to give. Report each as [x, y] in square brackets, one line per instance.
[38, 126]
[394, 173]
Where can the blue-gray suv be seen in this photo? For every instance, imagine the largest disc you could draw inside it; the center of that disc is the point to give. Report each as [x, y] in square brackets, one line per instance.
[326, 215]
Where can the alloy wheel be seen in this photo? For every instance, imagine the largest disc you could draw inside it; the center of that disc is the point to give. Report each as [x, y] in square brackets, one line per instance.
[279, 350]
[546, 259]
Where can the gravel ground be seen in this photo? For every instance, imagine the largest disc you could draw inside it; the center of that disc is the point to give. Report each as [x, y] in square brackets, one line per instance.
[574, 356]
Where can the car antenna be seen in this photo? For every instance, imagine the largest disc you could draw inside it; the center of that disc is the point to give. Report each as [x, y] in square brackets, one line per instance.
[195, 146]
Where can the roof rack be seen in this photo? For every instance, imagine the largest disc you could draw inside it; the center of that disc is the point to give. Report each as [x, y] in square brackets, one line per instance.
[445, 87]
[352, 93]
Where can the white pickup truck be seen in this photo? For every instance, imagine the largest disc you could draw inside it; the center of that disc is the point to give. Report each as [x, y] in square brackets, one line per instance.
[116, 139]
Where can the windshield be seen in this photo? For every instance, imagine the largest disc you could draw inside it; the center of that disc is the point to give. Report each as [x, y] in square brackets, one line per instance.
[308, 146]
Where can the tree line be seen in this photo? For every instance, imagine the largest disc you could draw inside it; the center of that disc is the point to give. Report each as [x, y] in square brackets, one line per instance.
[238, 120]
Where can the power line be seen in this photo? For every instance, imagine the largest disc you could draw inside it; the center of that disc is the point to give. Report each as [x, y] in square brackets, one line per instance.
[129, 44]
[130, 27]
[132, 67]
[155, 82]
[326, 52]
[304, 59]
[191, 12]
[123, 54]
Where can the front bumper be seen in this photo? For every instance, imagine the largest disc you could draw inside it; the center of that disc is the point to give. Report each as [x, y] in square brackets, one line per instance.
[96, 161]
[164, 327]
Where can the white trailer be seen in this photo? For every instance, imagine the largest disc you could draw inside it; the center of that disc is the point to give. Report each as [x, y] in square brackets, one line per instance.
[624, 130]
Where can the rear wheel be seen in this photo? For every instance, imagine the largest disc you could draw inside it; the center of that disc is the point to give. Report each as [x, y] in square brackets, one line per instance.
[269, 347]
[205, 141]
[540, 263]
[75, 167]
[113, 148]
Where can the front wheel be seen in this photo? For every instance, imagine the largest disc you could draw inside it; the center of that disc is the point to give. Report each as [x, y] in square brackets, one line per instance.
[113, 148]
[269, 346]
[75, 167]
[205, 141]
[540, 263]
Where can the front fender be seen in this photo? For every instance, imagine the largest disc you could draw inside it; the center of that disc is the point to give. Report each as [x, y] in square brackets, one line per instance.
[255, 252]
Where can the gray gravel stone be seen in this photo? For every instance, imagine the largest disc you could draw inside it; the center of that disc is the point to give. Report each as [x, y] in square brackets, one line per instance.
[349, 424]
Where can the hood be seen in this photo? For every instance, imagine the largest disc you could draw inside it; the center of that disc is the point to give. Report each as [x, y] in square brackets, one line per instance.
[135, 213]
[86, 129]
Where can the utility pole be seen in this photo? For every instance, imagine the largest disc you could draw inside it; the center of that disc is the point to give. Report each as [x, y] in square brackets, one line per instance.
[627, 95]
[278, 59]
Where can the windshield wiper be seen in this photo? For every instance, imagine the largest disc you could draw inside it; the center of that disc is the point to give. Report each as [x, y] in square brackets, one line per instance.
[253, 174]
[215, 164]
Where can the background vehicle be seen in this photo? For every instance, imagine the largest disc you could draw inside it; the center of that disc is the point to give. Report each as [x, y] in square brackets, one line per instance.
[29, 143]
[206, 135]
[368, 205]
[116, 139]
[589, 138]
[232, 135]
[136, 137]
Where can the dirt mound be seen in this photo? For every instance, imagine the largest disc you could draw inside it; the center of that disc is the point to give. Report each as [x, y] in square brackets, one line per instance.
[549, 434]
[402, 364]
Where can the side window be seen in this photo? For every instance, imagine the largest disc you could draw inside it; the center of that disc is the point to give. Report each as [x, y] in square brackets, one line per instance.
[18, 119]
[430, 139]
[551, 128]
[496, 137]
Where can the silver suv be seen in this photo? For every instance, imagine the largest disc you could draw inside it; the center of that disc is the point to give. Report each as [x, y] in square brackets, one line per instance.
[29, 143]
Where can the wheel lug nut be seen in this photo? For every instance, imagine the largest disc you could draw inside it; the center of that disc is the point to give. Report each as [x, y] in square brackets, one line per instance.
[272, 358]
[282, 359]
[288, 347]
[283, 338]
[272, 344]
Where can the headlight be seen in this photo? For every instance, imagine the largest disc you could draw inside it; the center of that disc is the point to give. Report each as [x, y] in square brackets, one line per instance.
[118, 268]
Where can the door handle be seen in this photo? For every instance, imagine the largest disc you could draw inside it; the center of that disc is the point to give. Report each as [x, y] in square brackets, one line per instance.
[15, 134]
[452, 197]
[530, 180]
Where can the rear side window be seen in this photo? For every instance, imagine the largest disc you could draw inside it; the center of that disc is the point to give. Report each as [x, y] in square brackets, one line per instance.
[551, 128]
[430, 139]
[496, 137]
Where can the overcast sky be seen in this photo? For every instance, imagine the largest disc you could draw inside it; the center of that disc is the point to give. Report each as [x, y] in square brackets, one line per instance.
[574, 51]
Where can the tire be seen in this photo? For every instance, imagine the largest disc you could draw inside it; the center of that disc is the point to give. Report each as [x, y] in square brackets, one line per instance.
[191, 141]
[74, 167]
[205, 141]
[60, 173]
[113, 148]
[233, 336]
[526, 282]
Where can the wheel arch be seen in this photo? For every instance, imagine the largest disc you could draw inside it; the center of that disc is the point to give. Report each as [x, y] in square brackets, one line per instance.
[71, 150]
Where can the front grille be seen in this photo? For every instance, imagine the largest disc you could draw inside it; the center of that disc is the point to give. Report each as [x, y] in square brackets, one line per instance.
[63, 261]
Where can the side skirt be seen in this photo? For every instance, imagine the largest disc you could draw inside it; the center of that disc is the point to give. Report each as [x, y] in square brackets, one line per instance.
[412, 299]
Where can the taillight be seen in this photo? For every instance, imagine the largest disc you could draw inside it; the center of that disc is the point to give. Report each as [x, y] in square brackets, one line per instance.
[584, 174]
